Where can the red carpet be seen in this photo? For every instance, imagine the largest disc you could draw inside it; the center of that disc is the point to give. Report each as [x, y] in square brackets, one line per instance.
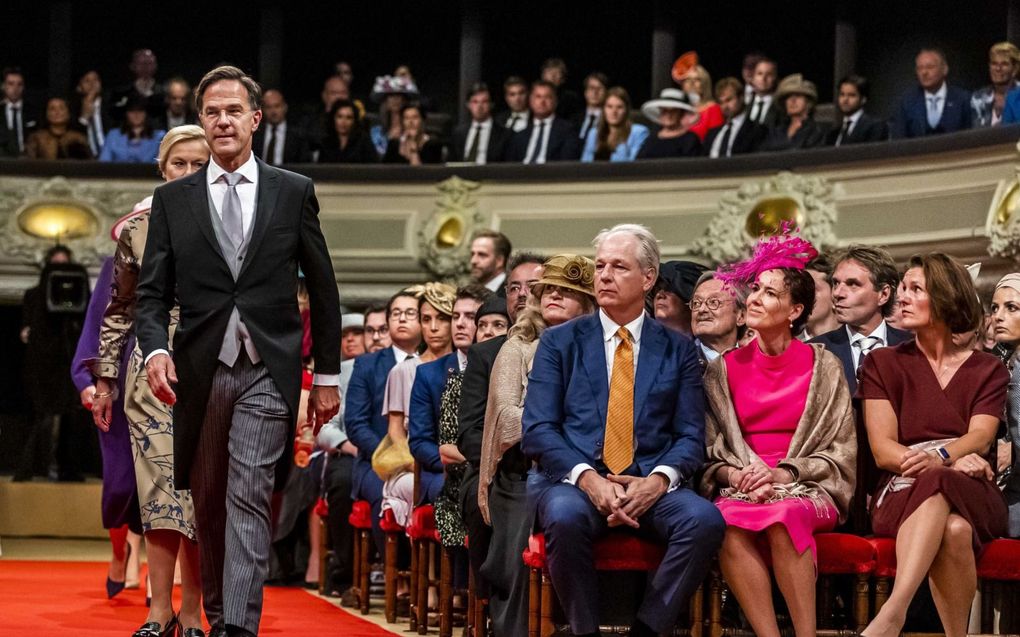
[69, 598]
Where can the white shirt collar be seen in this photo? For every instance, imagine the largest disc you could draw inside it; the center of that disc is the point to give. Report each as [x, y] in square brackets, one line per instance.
[710, 354]
[882, 332]
[593, 110]
[496, 282]
[482, 125]
[856, 117]
[609, 327]
[941, 93]
[461, 360]
[400, 354]
[535, 121]
[738, 119]
[249, 170]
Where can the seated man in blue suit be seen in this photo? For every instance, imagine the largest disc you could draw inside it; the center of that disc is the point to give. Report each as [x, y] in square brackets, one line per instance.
[363, 417]
[427, 392]
[933, 106]
[614, 417]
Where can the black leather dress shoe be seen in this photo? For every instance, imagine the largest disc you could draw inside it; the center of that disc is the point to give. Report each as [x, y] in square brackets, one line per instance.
[217, 631]
[194, 632]
[153, 629]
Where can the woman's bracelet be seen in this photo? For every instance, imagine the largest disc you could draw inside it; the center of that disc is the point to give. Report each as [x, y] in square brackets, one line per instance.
[104, 394]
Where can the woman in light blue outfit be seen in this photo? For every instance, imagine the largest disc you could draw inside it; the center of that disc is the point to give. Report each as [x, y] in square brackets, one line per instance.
[616, 138]
[135, 141]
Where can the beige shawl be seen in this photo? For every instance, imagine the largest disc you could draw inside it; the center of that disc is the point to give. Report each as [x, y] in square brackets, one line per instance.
[508, 385]
[823, 451]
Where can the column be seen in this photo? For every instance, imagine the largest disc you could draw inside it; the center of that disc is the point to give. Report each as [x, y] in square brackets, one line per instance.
[663, 47]
[60, 48]
[1013, 21]
[471, 40]
[845, 47]
[270, 45]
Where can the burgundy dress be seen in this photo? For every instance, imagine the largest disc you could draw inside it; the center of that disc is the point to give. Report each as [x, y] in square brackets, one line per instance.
[925, 411]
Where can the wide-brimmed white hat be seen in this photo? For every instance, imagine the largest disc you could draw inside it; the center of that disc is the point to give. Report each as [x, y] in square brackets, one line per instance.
[668, 98]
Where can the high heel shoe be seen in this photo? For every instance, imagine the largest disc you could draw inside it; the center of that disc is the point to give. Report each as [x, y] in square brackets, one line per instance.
[113, 588]
[191, 632]
[153, 629]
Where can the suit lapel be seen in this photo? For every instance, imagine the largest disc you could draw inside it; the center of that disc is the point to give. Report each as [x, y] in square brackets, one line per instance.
[265, 208]
[197, 193]
[593, 359]
[653, 344]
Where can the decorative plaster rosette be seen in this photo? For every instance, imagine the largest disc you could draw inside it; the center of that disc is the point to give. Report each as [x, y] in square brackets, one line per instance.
[1003, 225]
[727, 238]
[444, 238]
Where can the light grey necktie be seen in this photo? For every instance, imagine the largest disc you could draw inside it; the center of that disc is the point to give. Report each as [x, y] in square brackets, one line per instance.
[865, 345]
[233, 224]
[933, 111]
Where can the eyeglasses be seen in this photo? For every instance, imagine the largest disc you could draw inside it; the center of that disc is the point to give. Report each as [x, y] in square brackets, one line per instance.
[515, 288]
[373, 332]
[712, 304]
[410, 315]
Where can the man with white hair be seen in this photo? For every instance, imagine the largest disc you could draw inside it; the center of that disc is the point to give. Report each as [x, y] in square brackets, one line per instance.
[614, 417]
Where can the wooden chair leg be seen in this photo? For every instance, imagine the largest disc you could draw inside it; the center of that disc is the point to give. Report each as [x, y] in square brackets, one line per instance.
[698, 611]
[824, 601]
[861, 590]
[881, 593]
[412, 587]
[987, 605]
[548, 627]
[364, 569]
[424, 563]
[472, 603]
[534, 603]
[445, 593]
[323, 553]
[715, 605]
[390, 580]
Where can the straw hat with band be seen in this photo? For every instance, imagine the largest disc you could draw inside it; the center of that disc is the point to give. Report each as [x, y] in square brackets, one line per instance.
[568, 271]
[668, 98]
[439, 295]
[796, 85]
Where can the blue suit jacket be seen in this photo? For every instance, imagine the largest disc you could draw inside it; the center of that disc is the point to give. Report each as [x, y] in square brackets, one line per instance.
[912, 115]
[363, 417]
[423, 422]
[568, 395]
[838, 342]
[1011, 110]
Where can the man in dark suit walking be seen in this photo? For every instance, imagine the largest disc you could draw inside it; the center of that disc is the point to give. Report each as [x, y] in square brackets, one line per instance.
[227, 243]
[482, 140]
[614, 417]
[934, 106]
[740, 134]
[858, 127]
[547, 137]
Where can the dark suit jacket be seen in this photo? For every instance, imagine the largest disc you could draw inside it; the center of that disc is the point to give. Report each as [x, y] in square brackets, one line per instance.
[31, 120]
[155, 104]
[104, 114]
[423, 421]
[749, 138]
[774, 113]
[499, 137]
[183, 260]
[867, 129]
[568, 396]
[564, 144]
[503, 118]
[295, 146]
[838, 342]
[912, 115]
[811, 134]
[363, 418]
[474, 396]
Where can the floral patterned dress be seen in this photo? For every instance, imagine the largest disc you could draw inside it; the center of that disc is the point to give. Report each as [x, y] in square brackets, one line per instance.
[448, 519]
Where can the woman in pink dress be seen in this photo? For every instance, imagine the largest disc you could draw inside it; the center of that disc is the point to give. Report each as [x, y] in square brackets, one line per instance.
[781, 442]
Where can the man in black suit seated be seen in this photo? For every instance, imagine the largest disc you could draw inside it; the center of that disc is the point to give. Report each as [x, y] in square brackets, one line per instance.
[548, 137]
[178, 110]
[739, 135]
[933, 106]
[481, 141]
[858, 127]
[276, 142]
[19, 118]
[92, 110]
[144, 87]
[595, 87]
[515, 94]
[763, 107]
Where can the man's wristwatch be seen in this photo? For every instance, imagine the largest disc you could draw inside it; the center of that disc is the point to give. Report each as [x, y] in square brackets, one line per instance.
[943, 455]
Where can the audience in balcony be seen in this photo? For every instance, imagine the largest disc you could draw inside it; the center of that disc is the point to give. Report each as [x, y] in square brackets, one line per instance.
[796, 128]
[143, 88]
[278, 140]
[347, 141]
[615, 137]
[738, 135]
[718, 316]
[392, 93]
[595, 87]
[414, 146]
[57, 140]
[91, 111]
[569, 105]
[932, 409]
[781, 443]
[482, 140]
[316, 122]
[934, 106]
[698, 86]
[136, 140]
[19, 119]
[1005, 312]
[762, 105]
[178, 110]
[515, 94]
[857, 126]
[675, 115]
[548, 136]
[988, 103]
[747, 67]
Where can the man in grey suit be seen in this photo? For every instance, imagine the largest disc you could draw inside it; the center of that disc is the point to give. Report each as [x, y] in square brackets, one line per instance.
[226, 243]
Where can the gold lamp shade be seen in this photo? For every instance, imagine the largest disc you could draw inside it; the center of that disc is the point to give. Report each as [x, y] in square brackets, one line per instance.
[768, 215]
[450, 232]
[58, 220]
[1008, 204]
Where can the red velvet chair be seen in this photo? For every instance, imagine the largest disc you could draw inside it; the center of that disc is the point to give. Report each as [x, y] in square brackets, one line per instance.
[421, 530]
[617, 551]
[321, 511]
[998, 571]
[845, 554]
[361, 520]
[885, 569]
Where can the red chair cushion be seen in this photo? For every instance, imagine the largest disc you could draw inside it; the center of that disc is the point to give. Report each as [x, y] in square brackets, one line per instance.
[617, 551]
[322, 508]
[842, 554]
[885, 556]
[361, 515]
[423, 523]
[1000, 561]
[388, 523]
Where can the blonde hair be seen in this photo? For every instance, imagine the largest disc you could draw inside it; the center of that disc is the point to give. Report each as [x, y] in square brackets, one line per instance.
[702, 74]
[1007, 50]
[529, 324]
[176, 135]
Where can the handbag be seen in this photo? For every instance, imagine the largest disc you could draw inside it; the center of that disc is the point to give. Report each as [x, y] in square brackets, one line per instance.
[391, 458]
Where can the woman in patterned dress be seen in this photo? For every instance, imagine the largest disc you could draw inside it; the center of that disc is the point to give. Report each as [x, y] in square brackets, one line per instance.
[168, 517]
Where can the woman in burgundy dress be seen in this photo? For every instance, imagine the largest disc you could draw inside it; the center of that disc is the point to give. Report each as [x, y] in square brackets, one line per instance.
[932, 409]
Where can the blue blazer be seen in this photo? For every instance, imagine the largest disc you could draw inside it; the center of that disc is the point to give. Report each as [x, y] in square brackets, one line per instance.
[627, 151]
[912, 115]
[363, 417]
[838, 342]
[568, 395]
[1011, 110]
[423, 422]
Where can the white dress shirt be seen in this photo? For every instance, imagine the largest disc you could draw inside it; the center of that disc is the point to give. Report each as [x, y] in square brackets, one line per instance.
[763, 102]
[881, 332]
[94, 127]
[844, 133]
[537, 147]
[461, 360]
[281, 138]
[611, 340]
[734, 124]
[518, 121]
[14, 124]
[484, 129]
[400, 354]
[496, 282]
[592, 115]
[940, 101]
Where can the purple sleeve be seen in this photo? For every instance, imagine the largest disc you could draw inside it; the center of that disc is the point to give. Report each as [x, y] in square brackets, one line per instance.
[88, 342]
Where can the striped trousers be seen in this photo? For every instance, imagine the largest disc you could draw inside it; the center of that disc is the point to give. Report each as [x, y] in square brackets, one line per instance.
[243, 435]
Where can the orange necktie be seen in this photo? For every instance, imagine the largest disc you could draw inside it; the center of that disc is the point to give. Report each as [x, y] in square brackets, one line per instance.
[619, 444]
